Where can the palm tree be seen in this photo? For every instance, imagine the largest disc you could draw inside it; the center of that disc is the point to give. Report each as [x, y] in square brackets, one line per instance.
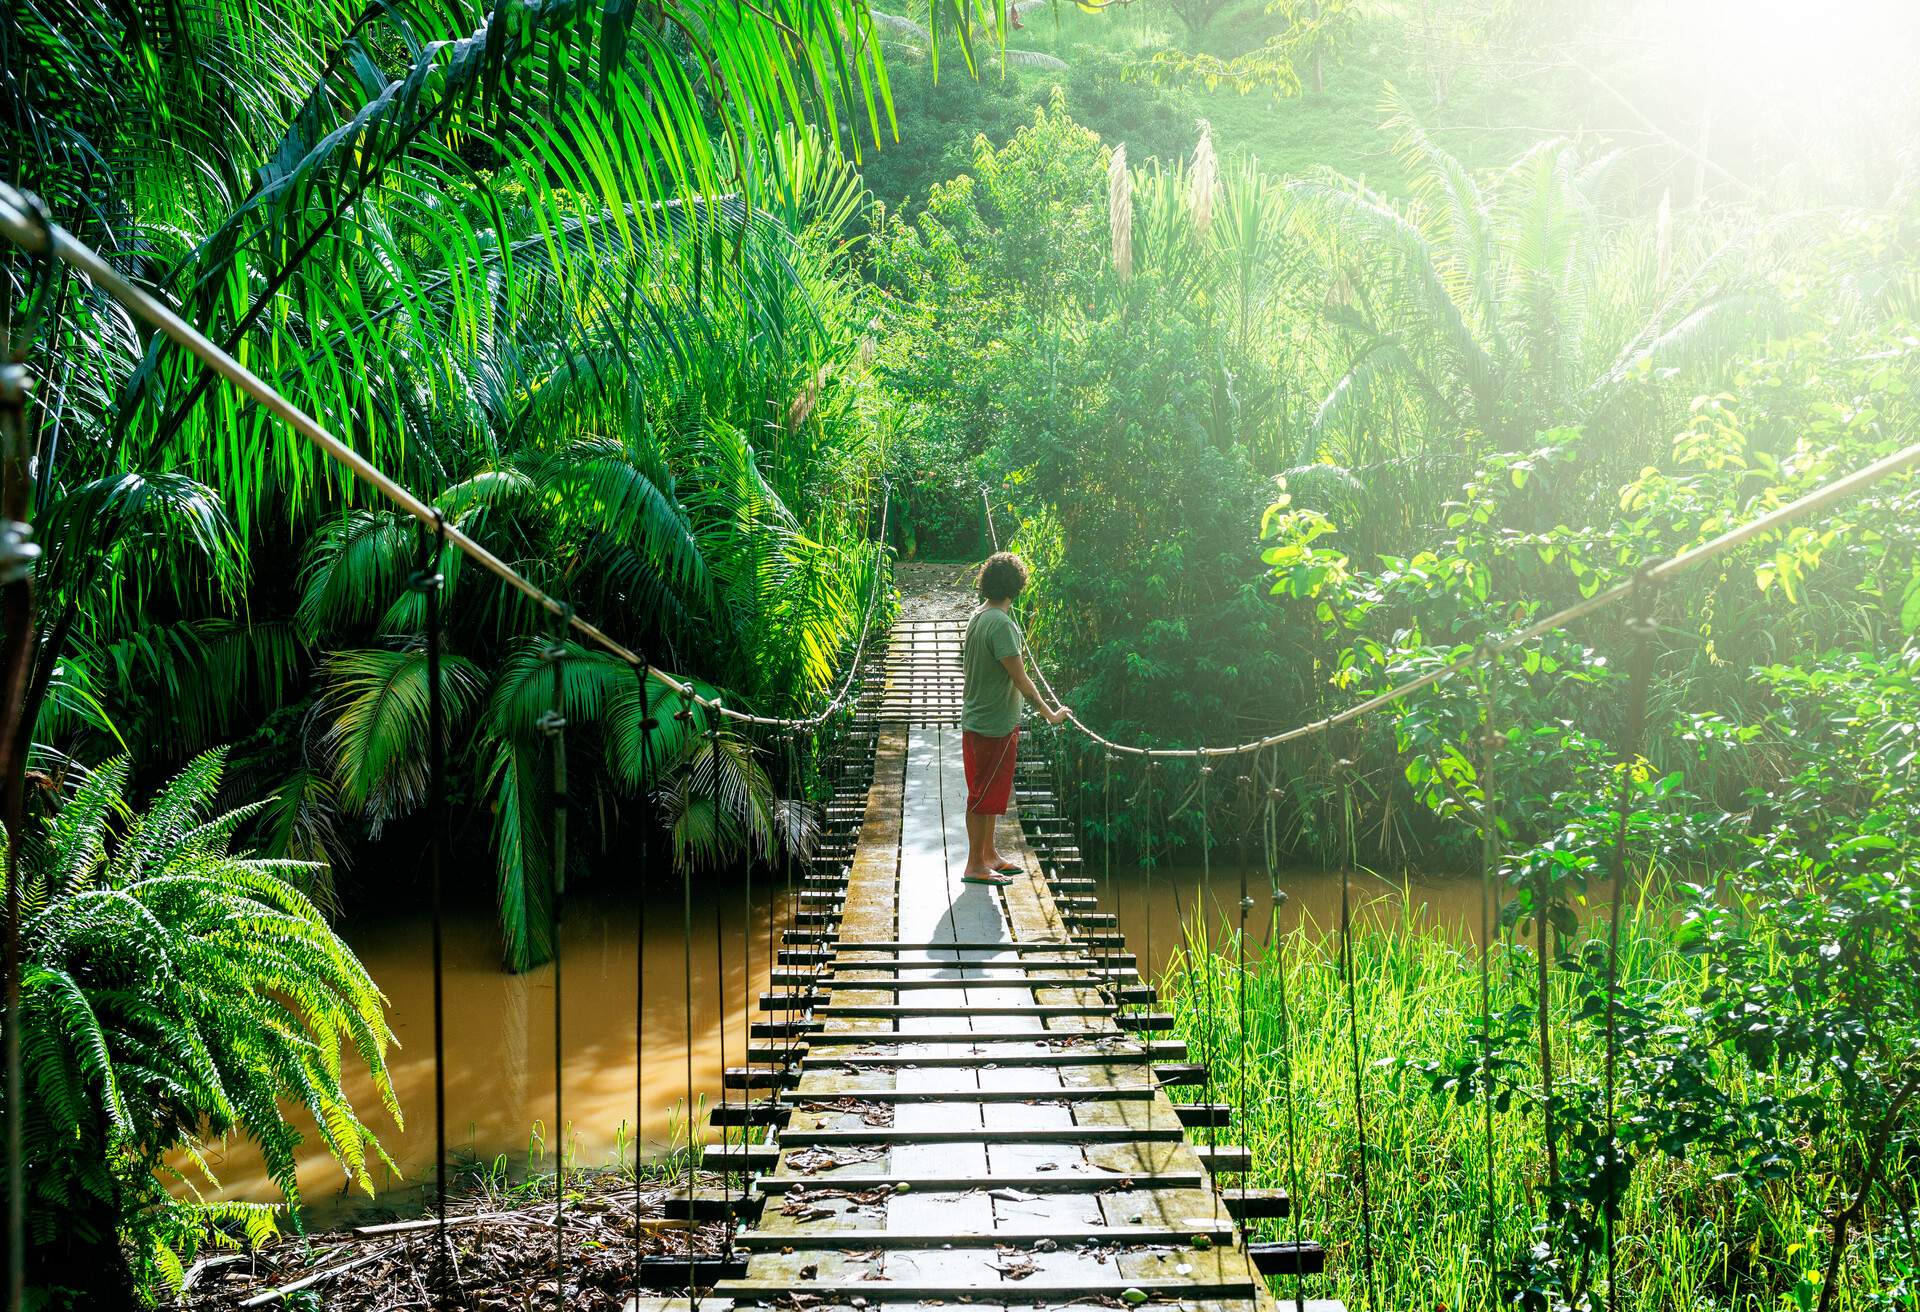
[354, 157]
[1488, 311]
[117, 553]
[575, 271]
[171, 989]
[617, 466]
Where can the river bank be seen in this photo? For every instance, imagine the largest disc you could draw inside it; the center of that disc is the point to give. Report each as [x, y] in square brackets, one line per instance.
[501, 1237]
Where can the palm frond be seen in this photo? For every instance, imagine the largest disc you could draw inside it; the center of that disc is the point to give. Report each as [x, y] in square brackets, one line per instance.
[1470, 266]
[1357, 215]
[720, 808]
[374, 705]
[625, 491]
[899, 25]
[118, 539]
[354, 569]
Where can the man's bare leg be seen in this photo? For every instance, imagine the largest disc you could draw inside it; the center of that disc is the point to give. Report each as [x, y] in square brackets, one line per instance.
[979, 839]
[979, 842]
[993, 858]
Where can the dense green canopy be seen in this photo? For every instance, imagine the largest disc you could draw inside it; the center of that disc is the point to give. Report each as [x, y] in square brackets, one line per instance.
[1300, 346]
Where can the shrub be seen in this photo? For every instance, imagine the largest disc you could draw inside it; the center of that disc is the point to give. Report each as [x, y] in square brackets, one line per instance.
[171, 990]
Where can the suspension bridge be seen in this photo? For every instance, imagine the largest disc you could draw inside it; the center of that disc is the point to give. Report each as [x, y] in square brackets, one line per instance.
[958, 1093]
[968, 1092]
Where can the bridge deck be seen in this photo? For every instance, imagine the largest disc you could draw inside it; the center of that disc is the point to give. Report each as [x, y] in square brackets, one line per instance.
[970, 1121]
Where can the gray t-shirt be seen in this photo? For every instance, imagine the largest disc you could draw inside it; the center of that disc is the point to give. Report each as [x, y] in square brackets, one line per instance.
[991, 704]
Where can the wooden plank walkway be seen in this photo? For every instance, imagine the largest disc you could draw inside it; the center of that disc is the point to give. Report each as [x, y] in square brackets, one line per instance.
[970, 1120]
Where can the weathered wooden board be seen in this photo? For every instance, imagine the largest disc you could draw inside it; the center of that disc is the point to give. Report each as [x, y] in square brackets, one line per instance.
[970, 1122]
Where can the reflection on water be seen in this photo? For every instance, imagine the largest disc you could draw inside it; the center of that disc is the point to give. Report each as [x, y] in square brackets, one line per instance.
[499, 1027]
[499, 1036]
[1154, 908]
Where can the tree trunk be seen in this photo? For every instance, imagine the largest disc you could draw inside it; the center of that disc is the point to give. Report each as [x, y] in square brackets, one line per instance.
[1843, 1219]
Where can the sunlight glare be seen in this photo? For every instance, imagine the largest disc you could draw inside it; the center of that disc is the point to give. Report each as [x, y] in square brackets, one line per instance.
[1821, 48]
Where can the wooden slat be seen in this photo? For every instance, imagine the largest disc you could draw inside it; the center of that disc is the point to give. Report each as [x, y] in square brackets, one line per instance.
[1218, 1232]
[964, 1115]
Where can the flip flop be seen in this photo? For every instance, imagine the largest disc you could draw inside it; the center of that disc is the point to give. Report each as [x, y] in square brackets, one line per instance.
[989, 878]
[1012, 868]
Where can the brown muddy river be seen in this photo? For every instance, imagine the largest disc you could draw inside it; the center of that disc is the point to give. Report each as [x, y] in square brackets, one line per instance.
[499, 1027]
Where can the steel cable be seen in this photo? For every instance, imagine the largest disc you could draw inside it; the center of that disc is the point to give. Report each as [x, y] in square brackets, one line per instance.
[1642, 628]
[428, 581]
[18, 554]
[1149, 971]
[684, 716]
[1106, 863]
[1240, 976]
[797, 783]
[554, 724]
[1343, 769]
[1491, 741]
[1277, 898]
[781, 817]
[1203, 908]
[720, 1002]
[18, 224]
[747, 1011]
[1491, 646]
[816, 940]
[647, 725]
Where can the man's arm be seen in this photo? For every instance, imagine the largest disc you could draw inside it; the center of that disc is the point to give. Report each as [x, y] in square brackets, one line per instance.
[1017, 671]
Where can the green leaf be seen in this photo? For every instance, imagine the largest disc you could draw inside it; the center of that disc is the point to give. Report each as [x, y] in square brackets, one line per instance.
[1910, 604]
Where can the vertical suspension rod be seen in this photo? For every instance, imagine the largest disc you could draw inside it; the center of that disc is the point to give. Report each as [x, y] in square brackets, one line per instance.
[1349, 854]
[684, 716]
[647, 725]
[18, 553]
[429, 582]
[554, 724]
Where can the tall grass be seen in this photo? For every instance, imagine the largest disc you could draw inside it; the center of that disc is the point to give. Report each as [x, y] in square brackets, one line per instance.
[1688, 1238]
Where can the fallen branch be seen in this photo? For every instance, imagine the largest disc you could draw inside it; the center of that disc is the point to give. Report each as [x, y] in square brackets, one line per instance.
[281, 1291]
[206, 1264]
[648, 1225]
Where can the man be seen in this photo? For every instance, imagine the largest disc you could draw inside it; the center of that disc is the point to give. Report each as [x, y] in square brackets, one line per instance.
[996, 680]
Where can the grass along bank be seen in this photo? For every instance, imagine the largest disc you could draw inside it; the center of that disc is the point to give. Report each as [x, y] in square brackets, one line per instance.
[1691, 1233]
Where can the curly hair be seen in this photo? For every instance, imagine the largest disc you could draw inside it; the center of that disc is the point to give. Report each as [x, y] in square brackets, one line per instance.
[1002, 577]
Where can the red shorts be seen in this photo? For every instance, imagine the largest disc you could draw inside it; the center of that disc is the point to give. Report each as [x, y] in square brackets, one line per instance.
[989, 771]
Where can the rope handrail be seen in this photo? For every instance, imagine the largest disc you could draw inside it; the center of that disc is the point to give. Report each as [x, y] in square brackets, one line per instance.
[22, 222]
[1490, 648]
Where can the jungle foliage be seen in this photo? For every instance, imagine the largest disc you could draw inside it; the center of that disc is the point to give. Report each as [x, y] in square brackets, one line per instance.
[581, 276]
[1302, 347]
[172, 992]
[1277, 441]
[582, 279]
